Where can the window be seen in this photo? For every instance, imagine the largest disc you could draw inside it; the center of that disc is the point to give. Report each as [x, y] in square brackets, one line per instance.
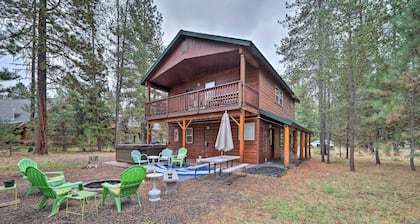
[249, 131]
[279, 96]
[176, 135]
[190, 136]
[209, 93]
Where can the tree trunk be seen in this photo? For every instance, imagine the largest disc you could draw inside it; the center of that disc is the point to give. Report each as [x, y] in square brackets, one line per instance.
[377, 159]
[321, 120]
[347, 135]
[328, 118]
[119, 79]
[33, 72]
[412, 127]
[41, 146]
[351, 103]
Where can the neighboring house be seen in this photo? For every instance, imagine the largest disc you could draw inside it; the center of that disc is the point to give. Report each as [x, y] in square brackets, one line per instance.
[16, 111]
[206, 75]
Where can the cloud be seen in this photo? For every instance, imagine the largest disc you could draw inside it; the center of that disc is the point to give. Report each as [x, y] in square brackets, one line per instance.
[244, 19]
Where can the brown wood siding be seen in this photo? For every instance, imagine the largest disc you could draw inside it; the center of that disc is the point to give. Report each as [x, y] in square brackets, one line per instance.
[251, 76]
[201, 134]
[190, 48]
[268, 100]
[220, 78]
[123, 151]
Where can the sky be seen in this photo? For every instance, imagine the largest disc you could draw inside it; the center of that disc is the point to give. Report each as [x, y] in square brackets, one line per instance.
[254, 20]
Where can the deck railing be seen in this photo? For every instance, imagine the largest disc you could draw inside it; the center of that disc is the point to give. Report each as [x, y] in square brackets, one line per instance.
[202, 101]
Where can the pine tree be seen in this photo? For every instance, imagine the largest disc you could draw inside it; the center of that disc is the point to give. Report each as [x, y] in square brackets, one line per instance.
[138, 31]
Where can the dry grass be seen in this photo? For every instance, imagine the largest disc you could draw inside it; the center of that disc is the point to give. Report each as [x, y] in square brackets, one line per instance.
[329, 193]
[314, 192]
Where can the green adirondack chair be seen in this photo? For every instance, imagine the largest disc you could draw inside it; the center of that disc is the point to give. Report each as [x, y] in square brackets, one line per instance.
[131, 178]
[137, 157]
[55, 180]
[165, 155]
[182, 154]
[59, 193]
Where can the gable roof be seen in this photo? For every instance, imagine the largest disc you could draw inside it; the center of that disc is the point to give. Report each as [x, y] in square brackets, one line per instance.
[247, 44]
[15, 110]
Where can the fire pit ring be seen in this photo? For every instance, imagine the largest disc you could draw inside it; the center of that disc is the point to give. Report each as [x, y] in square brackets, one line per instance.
[96, 185]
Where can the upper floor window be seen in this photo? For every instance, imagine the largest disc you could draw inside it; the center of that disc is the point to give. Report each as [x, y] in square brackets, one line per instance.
[279, 96]
[190, 136]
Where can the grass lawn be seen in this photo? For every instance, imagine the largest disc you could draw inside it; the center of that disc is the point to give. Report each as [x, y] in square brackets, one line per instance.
[330, 193]
[313, 192]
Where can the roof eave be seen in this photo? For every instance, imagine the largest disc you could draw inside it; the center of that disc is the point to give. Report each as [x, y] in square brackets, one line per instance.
[245, 43]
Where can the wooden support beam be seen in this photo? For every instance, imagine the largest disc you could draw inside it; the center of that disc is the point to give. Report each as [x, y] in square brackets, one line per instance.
[242, 67]
[295, 146]
[184, 127]
[149, 132]
[306, 145]
[241, 136]
[302, 145]
[148, 92]
[286, 146]
[234, 120]
[184, 134]
[309, 148]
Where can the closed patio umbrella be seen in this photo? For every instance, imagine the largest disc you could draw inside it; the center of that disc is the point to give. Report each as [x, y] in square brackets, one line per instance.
[224, 141]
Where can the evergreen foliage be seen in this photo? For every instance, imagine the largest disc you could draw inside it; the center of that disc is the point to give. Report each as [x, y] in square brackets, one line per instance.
[360, 60]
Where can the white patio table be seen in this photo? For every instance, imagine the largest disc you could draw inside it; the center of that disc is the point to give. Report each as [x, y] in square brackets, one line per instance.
[218, 160]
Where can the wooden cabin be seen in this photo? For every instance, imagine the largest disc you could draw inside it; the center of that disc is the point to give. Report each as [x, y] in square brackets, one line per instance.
[204, 76]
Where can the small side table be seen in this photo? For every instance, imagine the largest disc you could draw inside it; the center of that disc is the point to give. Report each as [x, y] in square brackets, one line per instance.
[2, 188]
[82, 196]
[154, 158]
[171, 179]
[154, 194]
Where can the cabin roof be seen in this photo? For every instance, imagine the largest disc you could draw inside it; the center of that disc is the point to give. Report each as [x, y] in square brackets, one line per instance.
[247, 44]
[275, 117]
[15, 110]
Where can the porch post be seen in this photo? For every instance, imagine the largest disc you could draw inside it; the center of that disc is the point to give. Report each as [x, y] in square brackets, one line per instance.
[286, 146]
[295, 145]
[184, 127]
[149, 132]
[148, 92]
[302, 145]
[184, 134]
[242, 64]
[241, 136]
[307, 145]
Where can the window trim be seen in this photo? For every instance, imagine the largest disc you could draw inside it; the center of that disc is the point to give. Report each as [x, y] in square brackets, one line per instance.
[249, 132]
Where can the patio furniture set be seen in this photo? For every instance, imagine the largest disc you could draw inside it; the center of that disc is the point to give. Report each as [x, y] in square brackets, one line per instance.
[57, 188]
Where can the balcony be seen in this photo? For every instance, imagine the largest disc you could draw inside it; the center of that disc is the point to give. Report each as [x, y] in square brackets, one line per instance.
[219, 98]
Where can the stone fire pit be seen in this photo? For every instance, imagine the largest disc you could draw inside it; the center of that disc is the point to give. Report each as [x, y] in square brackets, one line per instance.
[96, 185]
